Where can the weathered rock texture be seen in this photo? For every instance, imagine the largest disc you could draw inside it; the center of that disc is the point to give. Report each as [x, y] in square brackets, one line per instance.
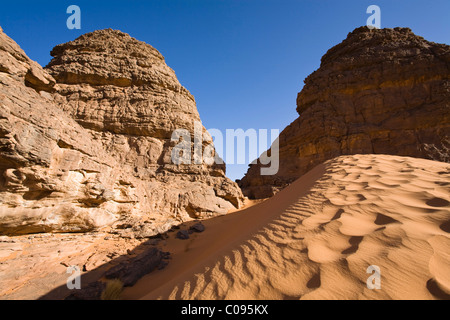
[379, 91]
[86, 143]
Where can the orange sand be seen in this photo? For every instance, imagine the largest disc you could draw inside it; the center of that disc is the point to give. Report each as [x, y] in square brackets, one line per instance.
[316, 239]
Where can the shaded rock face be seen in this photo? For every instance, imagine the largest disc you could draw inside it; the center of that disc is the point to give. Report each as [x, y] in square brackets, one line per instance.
[380, 91]
[86, 142]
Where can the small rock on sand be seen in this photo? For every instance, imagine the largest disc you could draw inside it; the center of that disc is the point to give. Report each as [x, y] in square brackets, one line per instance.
[183, 235]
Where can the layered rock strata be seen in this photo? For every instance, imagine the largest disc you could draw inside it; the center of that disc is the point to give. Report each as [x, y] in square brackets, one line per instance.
[86, 142]
[378, 92]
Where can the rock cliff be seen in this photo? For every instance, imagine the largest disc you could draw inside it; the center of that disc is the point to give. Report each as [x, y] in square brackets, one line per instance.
[86, 142]
[380, 92]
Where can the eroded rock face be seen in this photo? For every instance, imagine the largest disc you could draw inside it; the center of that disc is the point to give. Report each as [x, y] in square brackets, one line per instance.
[86, 143]
[379, 91]
[111, 82]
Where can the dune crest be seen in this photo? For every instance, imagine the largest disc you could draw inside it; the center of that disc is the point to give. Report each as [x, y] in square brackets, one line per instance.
[316, 238]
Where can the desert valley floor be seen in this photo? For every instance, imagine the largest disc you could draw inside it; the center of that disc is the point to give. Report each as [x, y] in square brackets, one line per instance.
[313, 240]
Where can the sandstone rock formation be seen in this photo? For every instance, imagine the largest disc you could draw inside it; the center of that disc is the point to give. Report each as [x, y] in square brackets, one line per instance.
[86, 143]
[380, 92]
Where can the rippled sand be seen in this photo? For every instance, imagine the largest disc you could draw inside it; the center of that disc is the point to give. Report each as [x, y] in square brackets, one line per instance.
[316, 239]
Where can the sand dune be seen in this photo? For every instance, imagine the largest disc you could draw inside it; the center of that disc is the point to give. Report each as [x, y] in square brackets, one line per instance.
[316, 239]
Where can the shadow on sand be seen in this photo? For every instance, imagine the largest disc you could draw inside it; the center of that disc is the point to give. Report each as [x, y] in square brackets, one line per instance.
[143, 259]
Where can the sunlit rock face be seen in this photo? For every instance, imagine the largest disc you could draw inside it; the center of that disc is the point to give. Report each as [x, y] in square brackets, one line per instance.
[86, 142]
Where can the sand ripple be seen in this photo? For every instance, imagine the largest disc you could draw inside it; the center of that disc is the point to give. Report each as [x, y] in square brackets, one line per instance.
[316, 239]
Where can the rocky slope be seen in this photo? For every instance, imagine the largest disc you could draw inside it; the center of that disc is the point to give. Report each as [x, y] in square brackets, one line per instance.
[86, 143]
[380, 92]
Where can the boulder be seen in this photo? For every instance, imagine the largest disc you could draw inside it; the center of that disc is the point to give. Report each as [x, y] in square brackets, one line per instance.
[198, 227]
[182, 234]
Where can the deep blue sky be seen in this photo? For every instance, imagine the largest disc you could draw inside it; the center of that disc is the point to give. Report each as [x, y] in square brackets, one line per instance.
[243, 60]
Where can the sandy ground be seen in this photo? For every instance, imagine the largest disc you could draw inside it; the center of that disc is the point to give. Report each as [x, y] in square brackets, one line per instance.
[316, 239]
[33, 266]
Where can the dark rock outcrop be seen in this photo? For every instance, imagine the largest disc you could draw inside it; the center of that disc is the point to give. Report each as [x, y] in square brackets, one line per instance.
[129, 272]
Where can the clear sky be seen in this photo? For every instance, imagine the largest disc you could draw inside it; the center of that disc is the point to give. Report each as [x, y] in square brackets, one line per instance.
[243, 60]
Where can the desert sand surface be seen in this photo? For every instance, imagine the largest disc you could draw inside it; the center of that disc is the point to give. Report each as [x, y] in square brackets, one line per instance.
[32, 266]
[316, 239]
